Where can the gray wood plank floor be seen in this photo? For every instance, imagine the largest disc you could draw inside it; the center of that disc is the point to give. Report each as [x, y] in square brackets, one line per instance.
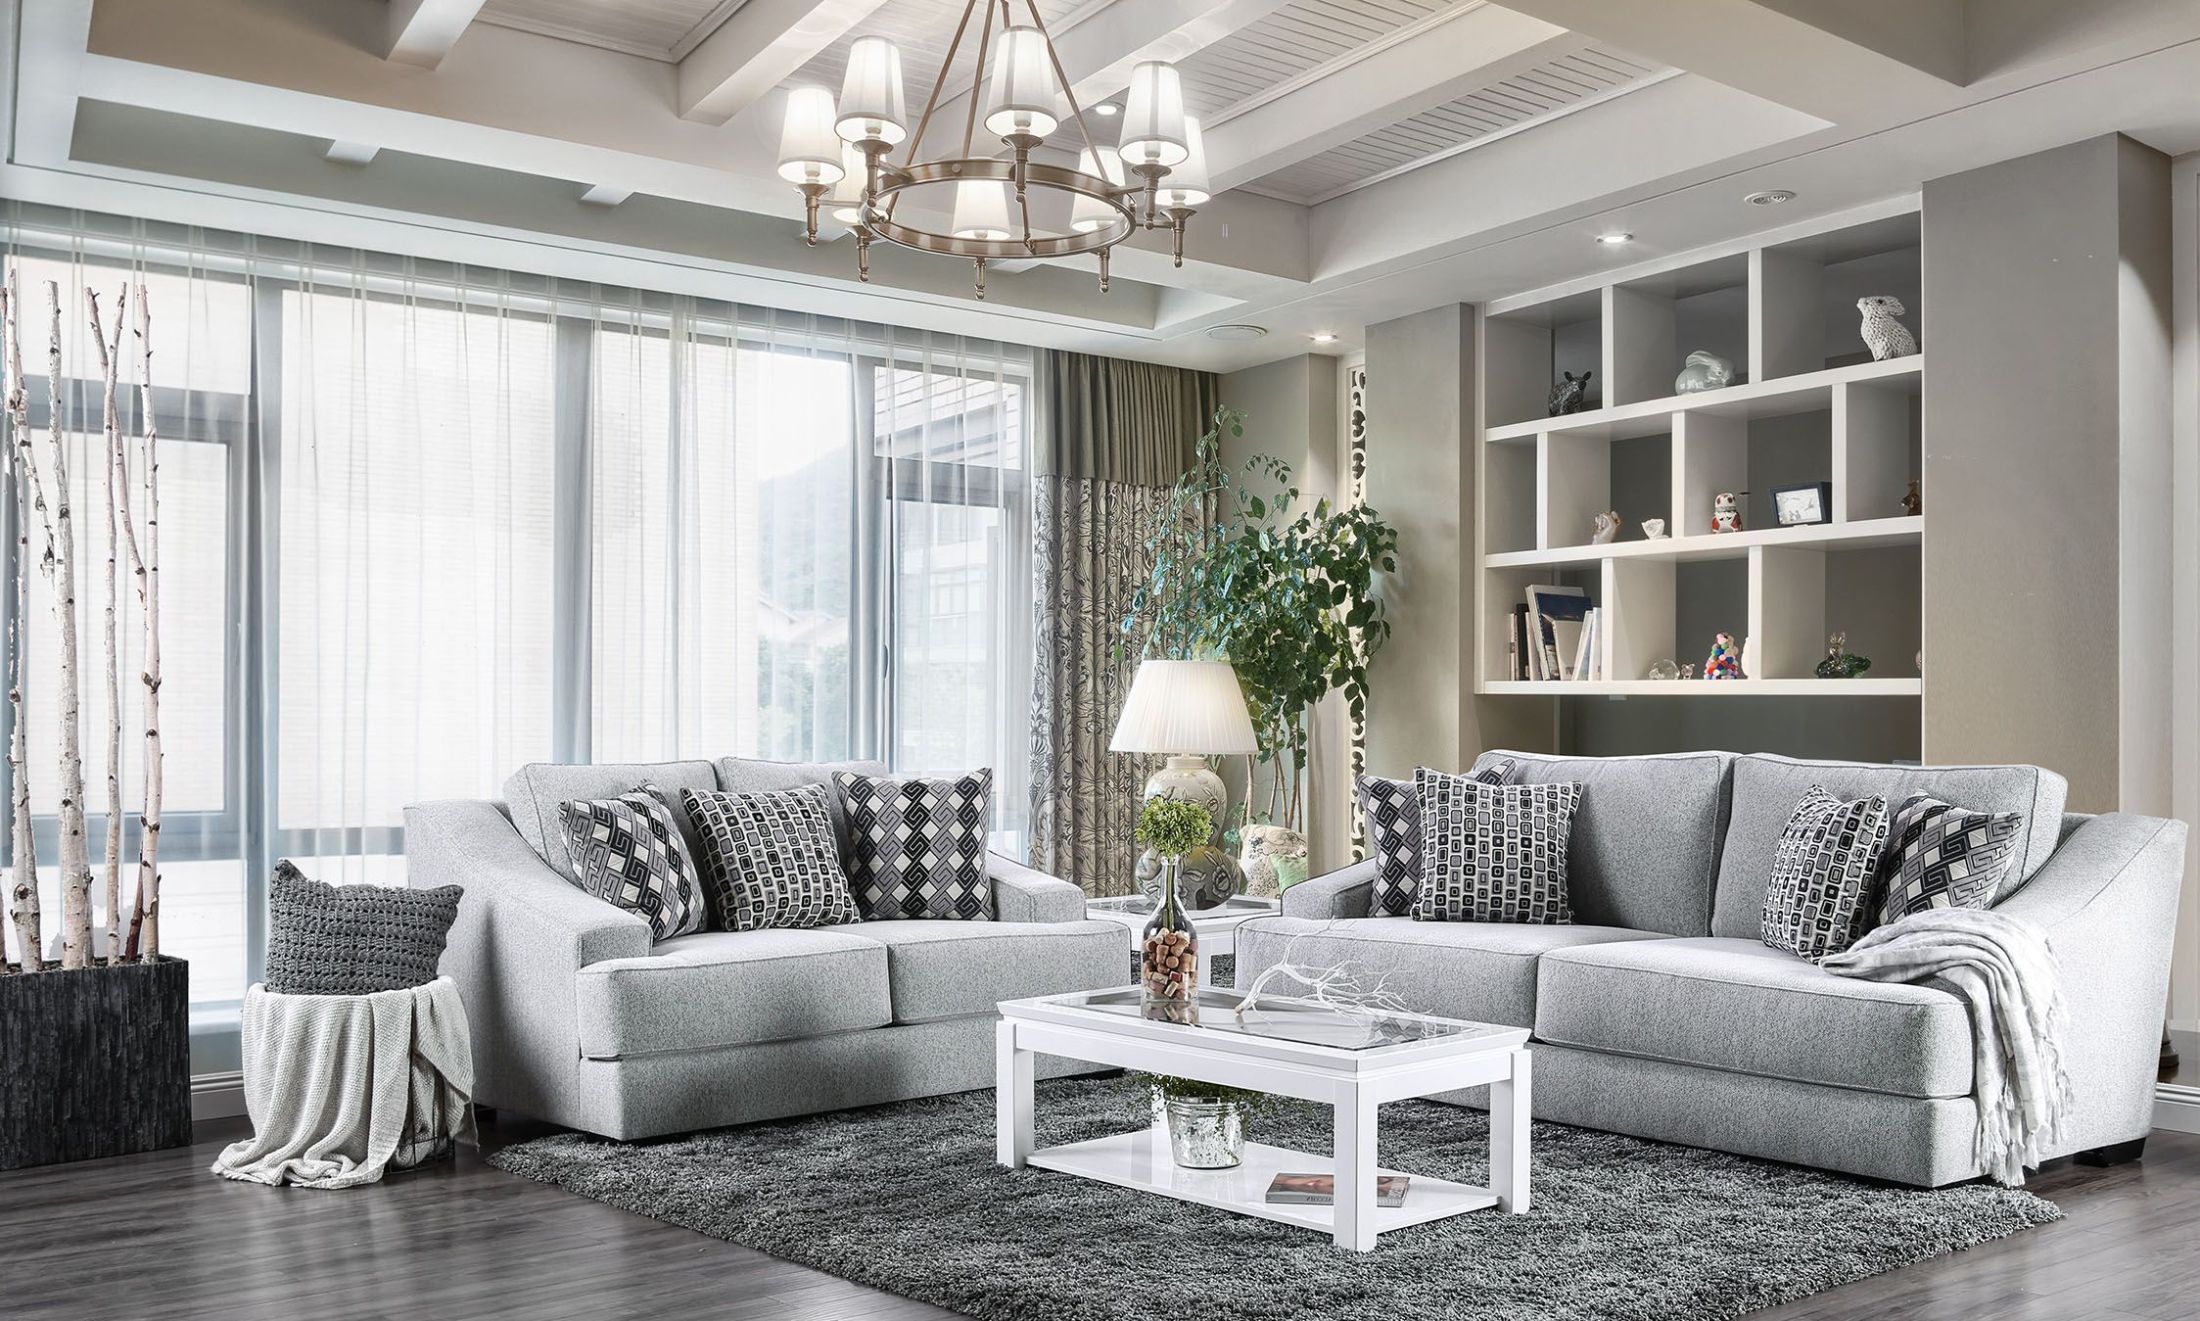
[157, 1235]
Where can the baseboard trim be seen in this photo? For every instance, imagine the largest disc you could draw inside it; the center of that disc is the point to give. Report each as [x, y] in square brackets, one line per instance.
[217, 1096]
[2177, 1109]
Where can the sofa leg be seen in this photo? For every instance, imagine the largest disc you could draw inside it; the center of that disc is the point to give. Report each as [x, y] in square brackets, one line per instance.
[2116, 1153]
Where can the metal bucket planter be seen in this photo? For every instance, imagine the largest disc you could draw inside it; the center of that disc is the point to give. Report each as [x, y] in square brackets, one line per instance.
[94, 1062]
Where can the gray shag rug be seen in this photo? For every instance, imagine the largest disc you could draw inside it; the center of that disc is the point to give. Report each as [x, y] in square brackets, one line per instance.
[907, 1198]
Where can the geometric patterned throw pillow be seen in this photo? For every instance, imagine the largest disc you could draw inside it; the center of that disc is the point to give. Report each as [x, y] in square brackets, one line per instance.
[769, 859]
[1391, 813]
[628, 852]
[916, 846]
[1942, 856]
[1821, 897]
[1493, 852]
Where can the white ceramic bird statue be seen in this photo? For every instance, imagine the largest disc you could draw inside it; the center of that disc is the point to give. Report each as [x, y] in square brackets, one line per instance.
[1883, 334]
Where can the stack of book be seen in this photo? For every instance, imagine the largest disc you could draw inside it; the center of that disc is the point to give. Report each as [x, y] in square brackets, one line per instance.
[1557, 635]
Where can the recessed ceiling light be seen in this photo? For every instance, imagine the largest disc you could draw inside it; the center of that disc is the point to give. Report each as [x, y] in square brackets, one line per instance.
[1107, 110]
[1770, 197]
[1323, 337]
[1238, 331]
[1613, 238]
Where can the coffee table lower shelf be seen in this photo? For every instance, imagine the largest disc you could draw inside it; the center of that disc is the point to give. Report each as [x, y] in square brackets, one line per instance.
[1141, 1160]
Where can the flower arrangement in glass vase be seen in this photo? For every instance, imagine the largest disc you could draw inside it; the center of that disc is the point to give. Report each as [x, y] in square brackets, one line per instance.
[1168, 964]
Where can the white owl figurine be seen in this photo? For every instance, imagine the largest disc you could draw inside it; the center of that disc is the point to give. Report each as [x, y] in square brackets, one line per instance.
[1883, 335]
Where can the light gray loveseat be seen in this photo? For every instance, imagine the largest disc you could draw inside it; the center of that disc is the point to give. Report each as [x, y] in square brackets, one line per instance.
[1661, 1014]
[579, 1019]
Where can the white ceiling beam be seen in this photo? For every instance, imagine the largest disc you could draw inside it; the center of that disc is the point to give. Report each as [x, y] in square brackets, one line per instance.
[759, 47]
[422, 32]
[1422, 66]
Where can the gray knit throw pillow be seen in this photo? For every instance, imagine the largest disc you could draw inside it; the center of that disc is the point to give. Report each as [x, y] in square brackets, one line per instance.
[353, 939]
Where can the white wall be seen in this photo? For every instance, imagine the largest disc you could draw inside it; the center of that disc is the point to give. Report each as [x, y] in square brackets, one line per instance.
[2185, 561]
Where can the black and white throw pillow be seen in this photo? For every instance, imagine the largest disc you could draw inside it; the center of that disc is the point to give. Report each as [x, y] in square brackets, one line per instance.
[353, 939]
[916, 846]
[1943, 856]
[627, 851]
[769, 859]
[1391, 813]
[1821, 896]
[1493, 852]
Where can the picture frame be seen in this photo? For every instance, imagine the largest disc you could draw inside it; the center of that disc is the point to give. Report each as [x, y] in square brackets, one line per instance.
[1802, 505]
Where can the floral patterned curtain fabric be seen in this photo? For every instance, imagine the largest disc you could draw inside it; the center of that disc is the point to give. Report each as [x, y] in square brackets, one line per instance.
[1114, 436]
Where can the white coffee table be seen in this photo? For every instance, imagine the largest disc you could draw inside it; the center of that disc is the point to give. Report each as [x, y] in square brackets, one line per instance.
[1352, 1063]
[1216, 928]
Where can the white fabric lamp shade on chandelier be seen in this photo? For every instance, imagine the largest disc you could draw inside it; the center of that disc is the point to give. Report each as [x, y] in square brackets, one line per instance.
[992, 201]
[1189, 710]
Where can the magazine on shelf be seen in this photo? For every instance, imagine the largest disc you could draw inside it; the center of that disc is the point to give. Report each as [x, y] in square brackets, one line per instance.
[1559, 613]
[1321, 1189]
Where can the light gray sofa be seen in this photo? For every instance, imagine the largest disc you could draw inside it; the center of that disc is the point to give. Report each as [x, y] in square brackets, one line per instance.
[1659, 1013]
[578, 1018]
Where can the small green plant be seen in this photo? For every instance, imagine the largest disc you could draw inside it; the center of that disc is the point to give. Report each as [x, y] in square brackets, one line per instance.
[1172, 828]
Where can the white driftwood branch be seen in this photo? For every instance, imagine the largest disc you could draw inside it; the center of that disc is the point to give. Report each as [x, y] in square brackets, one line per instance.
[76, 870]
[1337, 986]
[109, 365]
[145, 926]
[23, 882]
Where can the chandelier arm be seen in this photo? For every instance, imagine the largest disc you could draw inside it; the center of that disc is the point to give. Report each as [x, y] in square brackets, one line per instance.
[1068, 93]
[977, 81]
[932, 100]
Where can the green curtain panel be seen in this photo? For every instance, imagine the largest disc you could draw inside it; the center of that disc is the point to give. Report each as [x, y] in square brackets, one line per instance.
[1113, 437]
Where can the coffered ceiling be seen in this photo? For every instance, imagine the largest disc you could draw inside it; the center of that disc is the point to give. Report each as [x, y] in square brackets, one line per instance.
[1371, 157]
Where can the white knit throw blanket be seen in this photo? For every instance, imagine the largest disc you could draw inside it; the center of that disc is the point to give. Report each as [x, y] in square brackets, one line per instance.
[2005, 972]
[343, 1087]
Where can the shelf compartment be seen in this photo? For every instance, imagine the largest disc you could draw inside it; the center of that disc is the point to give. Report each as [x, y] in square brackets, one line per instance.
[1877, 434]
[1524, 353]
[1800, 595]
[1502, 589]
[1580, 475]
[1803, 295]
[1652, 324]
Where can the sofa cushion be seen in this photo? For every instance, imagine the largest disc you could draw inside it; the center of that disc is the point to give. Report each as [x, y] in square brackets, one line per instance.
[769, 859]
[1821, 898]
[1390, 817]
[1493, 852]
[1767, 788]
[1484, 972]
[1645, 842]
[1734, 1004]
[630, 854]
[1941, 856]
[745, 775]
[537, 791]
[956, 969]
[730, 988]
[916, 844]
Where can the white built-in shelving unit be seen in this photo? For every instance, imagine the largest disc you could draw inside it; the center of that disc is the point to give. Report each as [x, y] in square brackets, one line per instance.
[1808, 405]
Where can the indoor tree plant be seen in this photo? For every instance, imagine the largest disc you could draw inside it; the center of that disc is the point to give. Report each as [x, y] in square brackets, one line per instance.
[1289, 591]
[95, 1043]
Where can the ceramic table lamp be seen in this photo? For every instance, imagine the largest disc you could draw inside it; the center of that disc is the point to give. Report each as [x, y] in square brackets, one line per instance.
[1190, 710]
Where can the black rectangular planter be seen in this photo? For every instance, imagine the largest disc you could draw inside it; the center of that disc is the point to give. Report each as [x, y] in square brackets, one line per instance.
[94, 1062]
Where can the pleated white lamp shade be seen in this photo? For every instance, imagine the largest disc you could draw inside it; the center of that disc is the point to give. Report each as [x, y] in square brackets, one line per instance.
[1022, 100]
[1185, 707]
[1186, 186]
[871, 104]
[1089, 214]
[981, 209]
[846, 199]
[1153, 116]
[809, 149]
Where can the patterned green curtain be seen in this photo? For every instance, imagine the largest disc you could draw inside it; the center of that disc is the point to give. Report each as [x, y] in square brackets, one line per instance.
[1112, 438]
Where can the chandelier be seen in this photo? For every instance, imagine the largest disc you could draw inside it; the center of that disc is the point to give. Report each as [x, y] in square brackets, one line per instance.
[985, 204]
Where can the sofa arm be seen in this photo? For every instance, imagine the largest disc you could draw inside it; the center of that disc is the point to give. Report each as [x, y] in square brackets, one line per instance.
[2108, 900]
[1021, 894]
[522, 935]
[1342, 893]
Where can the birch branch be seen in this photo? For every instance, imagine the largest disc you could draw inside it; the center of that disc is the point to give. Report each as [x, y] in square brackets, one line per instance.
[23, 885]
[145, 925]
[109, 365]
[76, 871]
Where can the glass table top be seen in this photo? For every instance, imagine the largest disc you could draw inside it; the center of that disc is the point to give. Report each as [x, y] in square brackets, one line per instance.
[1279, 1018]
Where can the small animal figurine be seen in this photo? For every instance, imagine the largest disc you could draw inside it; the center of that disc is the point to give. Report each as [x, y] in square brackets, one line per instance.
[1653, 528]
[1913, 504]
[1840, 662]
[1725, 662]
[1883, 335]
[1726, 512]
[1604, 528]
[1705, 371]
[1570, 394]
